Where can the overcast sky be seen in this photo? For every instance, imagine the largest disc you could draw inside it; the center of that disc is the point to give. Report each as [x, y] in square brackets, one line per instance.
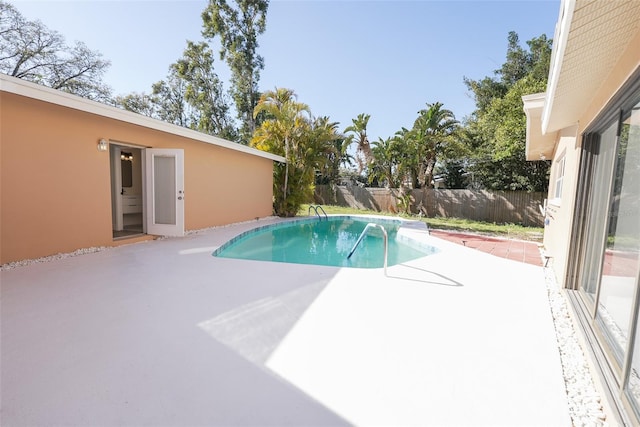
[384, 58]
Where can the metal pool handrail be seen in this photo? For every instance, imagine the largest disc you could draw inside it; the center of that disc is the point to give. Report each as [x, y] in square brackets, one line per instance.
[384, 235]
[315, 208]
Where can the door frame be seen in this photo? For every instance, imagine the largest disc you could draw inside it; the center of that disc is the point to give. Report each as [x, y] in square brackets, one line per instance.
[117, 210]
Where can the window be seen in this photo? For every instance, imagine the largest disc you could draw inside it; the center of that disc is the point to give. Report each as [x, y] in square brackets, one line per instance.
[605, 261]
[624, 234]
[560, 165]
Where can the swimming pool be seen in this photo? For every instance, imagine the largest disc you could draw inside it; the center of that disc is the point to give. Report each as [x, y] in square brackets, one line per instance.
[326, 241]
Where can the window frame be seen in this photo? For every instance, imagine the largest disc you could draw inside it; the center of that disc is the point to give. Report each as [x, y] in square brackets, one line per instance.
[560, 171]
[615, 378]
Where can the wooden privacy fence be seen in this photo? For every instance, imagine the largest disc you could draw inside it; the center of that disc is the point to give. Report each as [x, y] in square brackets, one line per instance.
[515, 207]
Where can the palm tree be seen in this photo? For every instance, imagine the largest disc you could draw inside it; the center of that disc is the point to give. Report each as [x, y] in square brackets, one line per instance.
[385, 162]
[359, 136]
[307, 143]
[286, 121]
[432, 131]
[408, 157]
[335, 149]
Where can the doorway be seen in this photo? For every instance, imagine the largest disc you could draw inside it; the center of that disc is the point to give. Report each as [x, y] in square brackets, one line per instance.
[127, 195]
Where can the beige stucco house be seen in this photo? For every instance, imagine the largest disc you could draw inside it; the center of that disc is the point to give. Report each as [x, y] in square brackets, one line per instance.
[77, 174]
[588, 123]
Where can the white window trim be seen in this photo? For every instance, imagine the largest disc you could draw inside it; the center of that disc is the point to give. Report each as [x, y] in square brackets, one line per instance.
[559, 179]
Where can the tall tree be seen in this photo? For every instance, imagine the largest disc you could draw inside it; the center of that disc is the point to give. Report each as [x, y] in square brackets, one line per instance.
[501, 163]
[289, 130]
[326, 149]
[384, 166]
[432, 131]
[191, 95]
[484, 91]
[31, 51]
[357, 133]
[169, 99]
[280, 134]
[518, 63]
[203, 91]
[412, 154]
[408, 157]
[140, 103]
[337, 154]
[454, 174]
[495, 132]
[237, 24]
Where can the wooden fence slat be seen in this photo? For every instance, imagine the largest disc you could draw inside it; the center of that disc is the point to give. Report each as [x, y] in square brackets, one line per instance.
[517, 207]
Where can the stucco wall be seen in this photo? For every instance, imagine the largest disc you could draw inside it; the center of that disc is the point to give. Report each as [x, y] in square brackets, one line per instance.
[559, 218]
[55, 184]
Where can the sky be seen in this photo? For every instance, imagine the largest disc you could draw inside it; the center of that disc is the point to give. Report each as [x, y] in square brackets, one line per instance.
[387, 58]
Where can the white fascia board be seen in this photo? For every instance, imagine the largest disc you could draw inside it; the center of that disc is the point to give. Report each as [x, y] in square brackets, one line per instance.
[534, 101]
[533, 106]
[46, 94]
[557, 54]
[537, 143]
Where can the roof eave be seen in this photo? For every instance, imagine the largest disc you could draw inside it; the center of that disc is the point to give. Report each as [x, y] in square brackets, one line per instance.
[590, 41]
[539, 145]
[560, 38]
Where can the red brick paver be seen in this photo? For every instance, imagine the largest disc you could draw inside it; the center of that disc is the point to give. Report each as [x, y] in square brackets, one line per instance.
[517, 250]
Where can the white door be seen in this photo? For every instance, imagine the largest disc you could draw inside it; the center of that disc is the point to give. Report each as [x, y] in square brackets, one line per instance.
[116, 188]
[164, 191]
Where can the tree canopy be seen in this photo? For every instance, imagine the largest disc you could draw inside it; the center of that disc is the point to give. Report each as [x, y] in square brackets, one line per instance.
[237, 24]
[307, 143]
[203, 91]
[431, 133]
[411, 154]
[486, 151]
[31, 51]
[192, 95]
[357, 133]
[495, 134]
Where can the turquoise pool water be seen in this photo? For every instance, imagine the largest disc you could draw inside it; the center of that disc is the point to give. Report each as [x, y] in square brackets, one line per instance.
[324, 242]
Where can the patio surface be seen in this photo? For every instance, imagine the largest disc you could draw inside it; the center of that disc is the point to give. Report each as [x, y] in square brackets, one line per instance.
[162, 333]
[516, 250]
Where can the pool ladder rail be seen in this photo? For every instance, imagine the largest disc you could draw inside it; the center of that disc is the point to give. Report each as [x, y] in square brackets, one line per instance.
[315, 209]
[384, 236]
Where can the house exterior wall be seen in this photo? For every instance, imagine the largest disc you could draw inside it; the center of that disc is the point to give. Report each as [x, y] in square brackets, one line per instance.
[558, 231]
[55, 184]
[559, 214]
[589, 115]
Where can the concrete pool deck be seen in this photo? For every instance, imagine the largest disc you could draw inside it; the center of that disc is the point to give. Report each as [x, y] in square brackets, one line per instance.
[162, 333]
[513, 249]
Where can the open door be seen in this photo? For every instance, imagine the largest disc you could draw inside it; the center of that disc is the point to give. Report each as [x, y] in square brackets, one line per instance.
[164, 191]
[116, 186]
